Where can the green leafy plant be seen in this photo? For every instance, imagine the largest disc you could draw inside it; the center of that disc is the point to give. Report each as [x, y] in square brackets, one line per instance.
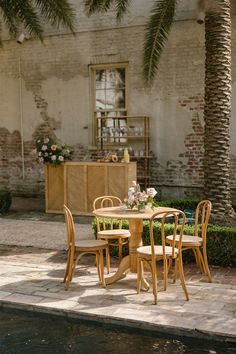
[221, 242]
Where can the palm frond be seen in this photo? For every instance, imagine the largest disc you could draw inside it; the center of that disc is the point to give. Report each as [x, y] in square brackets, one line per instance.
[29, 13]
[8, 15]
[92, 6]
[157, 30]
[24, 13]
[57, 12]
[121, 8]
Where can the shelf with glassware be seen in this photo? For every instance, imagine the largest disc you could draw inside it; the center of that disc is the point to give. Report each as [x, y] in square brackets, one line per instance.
[115, 133]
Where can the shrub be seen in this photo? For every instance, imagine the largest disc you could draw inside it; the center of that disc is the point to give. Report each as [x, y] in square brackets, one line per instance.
[5, 201]
[180, 203]
[221, 242]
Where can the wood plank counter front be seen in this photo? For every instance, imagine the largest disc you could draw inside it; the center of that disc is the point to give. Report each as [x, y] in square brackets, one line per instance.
[77, 184]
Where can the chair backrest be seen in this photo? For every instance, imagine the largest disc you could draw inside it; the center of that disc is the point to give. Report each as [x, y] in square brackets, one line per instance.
[102, 202]
[70, 227]
[178, 229]
[202, 216]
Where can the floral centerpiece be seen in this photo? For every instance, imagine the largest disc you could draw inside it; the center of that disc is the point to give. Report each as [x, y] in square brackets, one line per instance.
[139, 199]
[48, 151]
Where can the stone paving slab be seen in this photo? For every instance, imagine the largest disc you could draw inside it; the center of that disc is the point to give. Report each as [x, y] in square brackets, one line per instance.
[41, 234]
[32, 279]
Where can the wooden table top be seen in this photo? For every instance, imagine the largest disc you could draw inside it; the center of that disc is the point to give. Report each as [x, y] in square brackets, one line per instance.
[116, 212]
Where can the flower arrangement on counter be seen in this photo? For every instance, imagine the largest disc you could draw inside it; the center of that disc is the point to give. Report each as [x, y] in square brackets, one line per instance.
[48, 151]
[139, 199]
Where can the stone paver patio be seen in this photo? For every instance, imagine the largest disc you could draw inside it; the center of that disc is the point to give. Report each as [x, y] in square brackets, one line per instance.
[31, 278]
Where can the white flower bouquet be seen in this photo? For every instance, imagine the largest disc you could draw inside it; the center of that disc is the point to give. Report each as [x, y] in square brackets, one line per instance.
[137, 198]
[48, 151]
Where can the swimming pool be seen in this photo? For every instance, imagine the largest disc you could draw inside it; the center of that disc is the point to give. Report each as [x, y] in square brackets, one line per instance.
[32, 333]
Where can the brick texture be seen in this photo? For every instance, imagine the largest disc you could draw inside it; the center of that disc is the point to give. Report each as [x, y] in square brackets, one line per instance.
[46, 91]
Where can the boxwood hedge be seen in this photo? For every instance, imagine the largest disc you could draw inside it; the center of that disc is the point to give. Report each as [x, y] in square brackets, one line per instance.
[221, 240]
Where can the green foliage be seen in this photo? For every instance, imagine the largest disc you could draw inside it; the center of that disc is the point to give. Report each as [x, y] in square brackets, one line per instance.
[188, 203]
[221, 242]
[121, 6]
[5, 201]
[31, 15]
[157, 31]
[180, 203]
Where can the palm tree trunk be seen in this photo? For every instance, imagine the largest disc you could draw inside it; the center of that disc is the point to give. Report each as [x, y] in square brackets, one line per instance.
[218, 111]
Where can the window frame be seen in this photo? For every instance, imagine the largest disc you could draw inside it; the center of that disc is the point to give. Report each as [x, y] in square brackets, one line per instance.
[95, 111]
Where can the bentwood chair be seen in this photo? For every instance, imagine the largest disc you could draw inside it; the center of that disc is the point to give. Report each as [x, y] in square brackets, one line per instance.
[198, 242]
[76, 251]
[116, 237]
[154, 253]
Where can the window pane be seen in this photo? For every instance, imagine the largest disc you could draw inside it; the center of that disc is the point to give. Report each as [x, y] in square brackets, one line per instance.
[100, 99]
[110, 88]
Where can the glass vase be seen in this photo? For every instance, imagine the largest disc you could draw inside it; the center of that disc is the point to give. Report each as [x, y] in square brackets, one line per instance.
[141, 207]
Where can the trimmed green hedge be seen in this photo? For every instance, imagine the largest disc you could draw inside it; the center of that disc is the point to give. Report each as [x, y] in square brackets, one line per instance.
[182, 204]
[5, 201]
[221, 242]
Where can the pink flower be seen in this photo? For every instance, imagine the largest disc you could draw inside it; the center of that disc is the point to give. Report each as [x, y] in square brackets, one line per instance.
[151, 192]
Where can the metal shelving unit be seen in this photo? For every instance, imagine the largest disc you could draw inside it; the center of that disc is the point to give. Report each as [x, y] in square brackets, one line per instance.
[114, 133]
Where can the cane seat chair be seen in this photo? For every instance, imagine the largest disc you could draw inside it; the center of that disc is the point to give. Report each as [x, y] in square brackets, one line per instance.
[154, 253]
[76, 251]
[116, 237]
[198, 242]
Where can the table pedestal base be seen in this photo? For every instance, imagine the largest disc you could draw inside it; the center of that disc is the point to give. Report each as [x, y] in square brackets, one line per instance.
[124, 268]
[129, 263]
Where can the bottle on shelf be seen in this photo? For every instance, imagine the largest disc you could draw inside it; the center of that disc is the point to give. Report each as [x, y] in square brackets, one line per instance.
[126, 156]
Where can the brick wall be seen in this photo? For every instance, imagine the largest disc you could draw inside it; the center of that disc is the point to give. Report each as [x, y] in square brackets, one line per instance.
[45, 90]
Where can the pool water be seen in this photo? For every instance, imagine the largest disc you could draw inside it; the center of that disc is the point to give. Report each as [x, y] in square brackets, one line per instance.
[25, 333]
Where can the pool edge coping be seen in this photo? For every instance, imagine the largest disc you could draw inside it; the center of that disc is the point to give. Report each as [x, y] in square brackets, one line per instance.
[120, 322]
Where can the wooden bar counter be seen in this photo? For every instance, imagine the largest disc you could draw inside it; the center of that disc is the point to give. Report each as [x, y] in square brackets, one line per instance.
[77, 184]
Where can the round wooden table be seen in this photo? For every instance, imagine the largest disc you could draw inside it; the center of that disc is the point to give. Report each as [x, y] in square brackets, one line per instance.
[135, 218]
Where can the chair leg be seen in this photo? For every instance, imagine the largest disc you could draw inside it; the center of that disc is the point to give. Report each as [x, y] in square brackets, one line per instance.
[198, 259]
[139, 274]
[154, 280]
[108, 259]
[120, 243]
[181, 276]
[101, 266]
[67, 267]
[70, 273]
[206, 265]
[98, 265]
[175, 271]
[165, 273]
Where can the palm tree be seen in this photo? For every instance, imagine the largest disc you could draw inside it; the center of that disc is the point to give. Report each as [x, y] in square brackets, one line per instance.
[218, 109]
[30, 14]
[217, 85]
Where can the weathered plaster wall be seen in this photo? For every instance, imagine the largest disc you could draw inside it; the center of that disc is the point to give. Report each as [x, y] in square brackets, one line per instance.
[45, 90]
